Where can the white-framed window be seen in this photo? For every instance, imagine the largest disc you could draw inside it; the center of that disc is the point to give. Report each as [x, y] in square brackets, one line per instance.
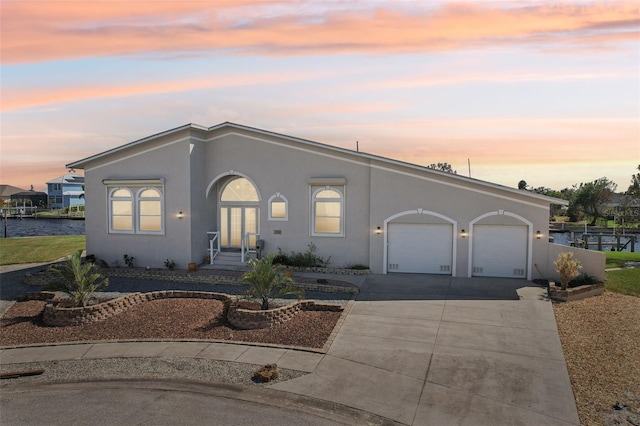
[136, 209]
[120, 210]
[327, 211]
[278, 207]
[149, 210]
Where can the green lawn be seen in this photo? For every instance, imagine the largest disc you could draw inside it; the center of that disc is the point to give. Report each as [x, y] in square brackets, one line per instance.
[624, 281]
[616, 259]
[38, 249]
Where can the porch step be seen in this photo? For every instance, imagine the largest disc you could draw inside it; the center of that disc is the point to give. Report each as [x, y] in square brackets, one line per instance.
[231, 261]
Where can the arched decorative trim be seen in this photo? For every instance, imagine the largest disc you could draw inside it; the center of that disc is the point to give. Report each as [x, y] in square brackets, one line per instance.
[502, 212]
[231, 173]
[454, 245]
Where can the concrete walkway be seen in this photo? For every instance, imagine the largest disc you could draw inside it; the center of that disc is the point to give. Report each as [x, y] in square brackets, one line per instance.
[416, 349]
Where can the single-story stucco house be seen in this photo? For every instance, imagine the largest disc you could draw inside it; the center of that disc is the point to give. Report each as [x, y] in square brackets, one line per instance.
[167, 196]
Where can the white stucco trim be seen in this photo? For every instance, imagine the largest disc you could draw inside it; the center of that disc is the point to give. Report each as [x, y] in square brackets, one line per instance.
[231, 173]
[454, 244]
[505, 213]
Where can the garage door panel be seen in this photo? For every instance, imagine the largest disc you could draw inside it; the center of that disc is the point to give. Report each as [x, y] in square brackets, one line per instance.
[500, 251]
[419, 248]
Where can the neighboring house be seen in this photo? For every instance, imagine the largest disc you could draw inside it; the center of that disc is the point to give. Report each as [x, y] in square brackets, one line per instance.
[66, 191]
[6, 191]
[163, 197]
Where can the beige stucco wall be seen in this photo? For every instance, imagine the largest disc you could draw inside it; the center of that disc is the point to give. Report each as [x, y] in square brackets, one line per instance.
[282, 167]
[593, 262]
[195, 163]
[165, 158]
[393, 192]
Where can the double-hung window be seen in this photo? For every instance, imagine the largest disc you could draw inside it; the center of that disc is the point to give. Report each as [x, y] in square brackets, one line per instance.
[327, 211]
[135, 208]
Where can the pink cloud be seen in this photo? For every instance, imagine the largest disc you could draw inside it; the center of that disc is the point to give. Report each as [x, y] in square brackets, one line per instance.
[13, 99]
[42, 31]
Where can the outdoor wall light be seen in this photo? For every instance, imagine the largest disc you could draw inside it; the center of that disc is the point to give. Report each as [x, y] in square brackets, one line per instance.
[463, 233]
[378, 231]
[180, 215]
[538, 235]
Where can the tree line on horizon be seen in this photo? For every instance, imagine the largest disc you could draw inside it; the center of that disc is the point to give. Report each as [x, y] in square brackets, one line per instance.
[585, 199]
[591, 199]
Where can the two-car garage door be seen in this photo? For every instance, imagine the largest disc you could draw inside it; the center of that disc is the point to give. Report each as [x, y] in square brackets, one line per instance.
[420, 248]
[497, 250]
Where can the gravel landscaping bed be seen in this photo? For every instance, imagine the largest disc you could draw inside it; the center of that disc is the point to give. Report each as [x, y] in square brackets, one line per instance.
[164, 319]
[601, 342]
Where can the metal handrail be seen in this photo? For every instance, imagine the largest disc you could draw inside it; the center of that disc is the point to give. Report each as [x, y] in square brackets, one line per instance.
[213, 253]
[246, 247]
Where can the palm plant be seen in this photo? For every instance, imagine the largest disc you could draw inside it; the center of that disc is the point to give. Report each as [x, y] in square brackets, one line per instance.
[79, 280]
[267, 281]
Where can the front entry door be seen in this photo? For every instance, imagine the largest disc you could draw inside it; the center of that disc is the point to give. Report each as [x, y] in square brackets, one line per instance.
[236, 221]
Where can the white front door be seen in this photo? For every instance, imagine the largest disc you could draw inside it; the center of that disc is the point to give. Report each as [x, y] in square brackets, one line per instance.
[236, 221]
[238, 212]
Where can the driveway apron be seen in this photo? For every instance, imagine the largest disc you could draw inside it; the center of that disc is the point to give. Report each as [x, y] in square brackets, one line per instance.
[434, 350]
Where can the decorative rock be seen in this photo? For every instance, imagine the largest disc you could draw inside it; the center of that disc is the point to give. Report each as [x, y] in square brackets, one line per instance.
[267, 373]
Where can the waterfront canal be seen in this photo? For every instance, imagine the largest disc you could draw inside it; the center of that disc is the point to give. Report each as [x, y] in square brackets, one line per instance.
[29, 227]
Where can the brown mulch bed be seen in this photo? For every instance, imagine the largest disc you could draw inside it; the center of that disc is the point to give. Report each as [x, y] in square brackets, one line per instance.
[164, 319]
[601, 342]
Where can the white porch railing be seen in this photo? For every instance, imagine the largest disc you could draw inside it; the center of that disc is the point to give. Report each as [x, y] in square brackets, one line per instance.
[247, 247]
[214, 245]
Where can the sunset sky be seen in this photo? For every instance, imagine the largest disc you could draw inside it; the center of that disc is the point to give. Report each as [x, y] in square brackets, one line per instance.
[548, 92]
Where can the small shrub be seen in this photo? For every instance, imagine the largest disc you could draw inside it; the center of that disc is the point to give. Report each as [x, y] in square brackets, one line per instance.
[169, 264]
[567, 268]
[357, 266]
[307, 259]
[128, 260]
[583, 279]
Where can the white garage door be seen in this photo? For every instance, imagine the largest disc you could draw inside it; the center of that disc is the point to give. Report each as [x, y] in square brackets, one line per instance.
[500, 251]
[419, 248]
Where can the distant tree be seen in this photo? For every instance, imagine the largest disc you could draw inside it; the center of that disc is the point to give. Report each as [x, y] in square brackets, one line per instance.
[522, 184]
[590, 197]
[443, 167]
[634, 188]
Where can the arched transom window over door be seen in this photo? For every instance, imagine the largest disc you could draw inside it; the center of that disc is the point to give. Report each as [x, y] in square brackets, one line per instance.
[239, 189]
[238, 212]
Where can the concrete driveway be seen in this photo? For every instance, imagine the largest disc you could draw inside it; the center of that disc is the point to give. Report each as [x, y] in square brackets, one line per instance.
[432, 350]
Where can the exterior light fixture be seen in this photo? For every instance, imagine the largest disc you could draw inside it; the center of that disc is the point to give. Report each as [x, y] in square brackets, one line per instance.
[378, 231]
[180, 215]
[463, 233]
[538, 235]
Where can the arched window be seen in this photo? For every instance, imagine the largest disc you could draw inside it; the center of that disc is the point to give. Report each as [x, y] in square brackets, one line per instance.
[239, 189]
[135, 209]
[327, 212]
[121, 209]
[149, 210]
[278, 207]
